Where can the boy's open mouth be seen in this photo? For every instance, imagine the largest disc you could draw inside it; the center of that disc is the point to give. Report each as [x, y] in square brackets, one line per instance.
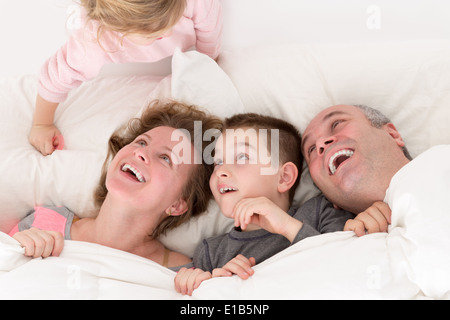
[227, 190]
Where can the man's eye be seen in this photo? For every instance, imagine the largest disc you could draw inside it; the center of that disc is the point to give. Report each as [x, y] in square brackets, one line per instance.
[335, 123]
[311, 149]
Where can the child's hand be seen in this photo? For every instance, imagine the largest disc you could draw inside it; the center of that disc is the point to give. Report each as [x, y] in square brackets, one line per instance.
[266, 214]
[45, 138]
[240, 266]
[40, 243]
[375, 219]
[187, 280]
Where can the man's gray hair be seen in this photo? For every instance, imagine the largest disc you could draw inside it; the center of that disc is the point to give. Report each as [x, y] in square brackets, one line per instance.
[378, 119]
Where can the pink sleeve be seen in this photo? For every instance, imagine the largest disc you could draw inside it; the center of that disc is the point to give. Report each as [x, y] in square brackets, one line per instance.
[208, 21]
[78, 60]
[44, 219]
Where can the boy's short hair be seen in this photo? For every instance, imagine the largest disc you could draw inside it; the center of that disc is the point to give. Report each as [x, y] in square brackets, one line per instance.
[289, 138]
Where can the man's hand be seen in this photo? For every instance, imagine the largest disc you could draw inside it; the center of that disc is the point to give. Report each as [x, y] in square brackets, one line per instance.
[375, 219]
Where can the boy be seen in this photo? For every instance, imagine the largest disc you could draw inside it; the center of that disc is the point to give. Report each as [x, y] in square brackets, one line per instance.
[255, 177]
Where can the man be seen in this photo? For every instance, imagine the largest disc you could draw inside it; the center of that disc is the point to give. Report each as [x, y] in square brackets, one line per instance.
[352, 153]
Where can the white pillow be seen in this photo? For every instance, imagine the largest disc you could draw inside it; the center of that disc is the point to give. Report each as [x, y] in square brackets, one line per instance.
[408, 81]
[86, 119]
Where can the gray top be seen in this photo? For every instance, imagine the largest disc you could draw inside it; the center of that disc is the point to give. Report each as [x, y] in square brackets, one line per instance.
[317, 214]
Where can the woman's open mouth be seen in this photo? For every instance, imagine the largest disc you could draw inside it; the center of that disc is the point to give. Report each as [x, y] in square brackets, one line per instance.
[133, 172]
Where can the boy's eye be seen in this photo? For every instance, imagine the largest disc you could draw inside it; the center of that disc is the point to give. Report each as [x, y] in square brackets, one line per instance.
[218, 162]
[242, 157]
[311, 149]
[166, 158]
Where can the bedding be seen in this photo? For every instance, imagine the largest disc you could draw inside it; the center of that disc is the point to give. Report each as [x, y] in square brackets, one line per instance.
[408, 81]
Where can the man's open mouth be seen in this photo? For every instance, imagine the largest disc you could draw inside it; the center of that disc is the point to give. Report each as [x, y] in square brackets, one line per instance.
[338, 158]
[133, 172]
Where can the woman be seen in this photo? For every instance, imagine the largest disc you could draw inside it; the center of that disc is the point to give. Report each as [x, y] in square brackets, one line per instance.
[145, 190]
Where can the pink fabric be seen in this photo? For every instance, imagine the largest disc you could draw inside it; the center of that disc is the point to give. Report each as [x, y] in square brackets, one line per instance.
[81, 57]
[14, 230]
[46, 219]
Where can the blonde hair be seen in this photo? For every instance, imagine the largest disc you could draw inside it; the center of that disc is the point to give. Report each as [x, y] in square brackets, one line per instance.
[134, 16]
[176, 115]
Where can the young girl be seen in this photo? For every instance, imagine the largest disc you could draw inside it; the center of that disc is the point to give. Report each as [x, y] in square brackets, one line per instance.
[119, 31]
[144, 190]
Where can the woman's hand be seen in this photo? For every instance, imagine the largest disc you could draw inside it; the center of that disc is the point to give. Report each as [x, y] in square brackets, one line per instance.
[40, 243]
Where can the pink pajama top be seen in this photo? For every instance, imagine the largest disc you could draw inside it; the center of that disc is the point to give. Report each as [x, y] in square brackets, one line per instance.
[58, 219]
[81, 57]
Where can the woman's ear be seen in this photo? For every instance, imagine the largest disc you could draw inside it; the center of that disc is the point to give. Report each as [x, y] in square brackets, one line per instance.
[287, 177]
[178, 208]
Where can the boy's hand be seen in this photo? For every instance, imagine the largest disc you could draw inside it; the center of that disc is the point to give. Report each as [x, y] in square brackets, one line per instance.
[40, 243]
[240, 266]
[266, 214]
[45, 138]
[375, 219]
[187, 280]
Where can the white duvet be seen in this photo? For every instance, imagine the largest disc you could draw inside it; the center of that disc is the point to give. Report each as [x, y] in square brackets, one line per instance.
[295, 82]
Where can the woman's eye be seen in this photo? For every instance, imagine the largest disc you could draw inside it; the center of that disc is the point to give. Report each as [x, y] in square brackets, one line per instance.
[142, 143]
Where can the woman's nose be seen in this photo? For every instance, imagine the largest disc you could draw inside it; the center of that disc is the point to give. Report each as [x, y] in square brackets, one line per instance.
[141, 154]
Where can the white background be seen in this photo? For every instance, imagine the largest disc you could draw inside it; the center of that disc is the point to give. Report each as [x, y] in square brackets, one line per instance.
[32, 30]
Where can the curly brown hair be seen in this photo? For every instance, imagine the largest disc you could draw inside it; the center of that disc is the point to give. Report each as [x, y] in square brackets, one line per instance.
[176, 115]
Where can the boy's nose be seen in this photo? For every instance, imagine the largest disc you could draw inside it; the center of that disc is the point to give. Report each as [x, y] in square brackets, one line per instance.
[223, 171]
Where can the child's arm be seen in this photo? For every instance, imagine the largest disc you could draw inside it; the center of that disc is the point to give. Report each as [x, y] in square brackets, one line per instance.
[208, 23]
[43, 131]
[40, 243]
[264, 213]
[187, 280]
[375, 219]
[240, 266]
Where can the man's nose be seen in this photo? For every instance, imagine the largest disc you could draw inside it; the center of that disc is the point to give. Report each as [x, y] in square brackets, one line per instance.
[323, 144]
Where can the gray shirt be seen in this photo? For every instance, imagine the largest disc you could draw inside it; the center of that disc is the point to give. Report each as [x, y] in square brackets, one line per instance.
[317, 214]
